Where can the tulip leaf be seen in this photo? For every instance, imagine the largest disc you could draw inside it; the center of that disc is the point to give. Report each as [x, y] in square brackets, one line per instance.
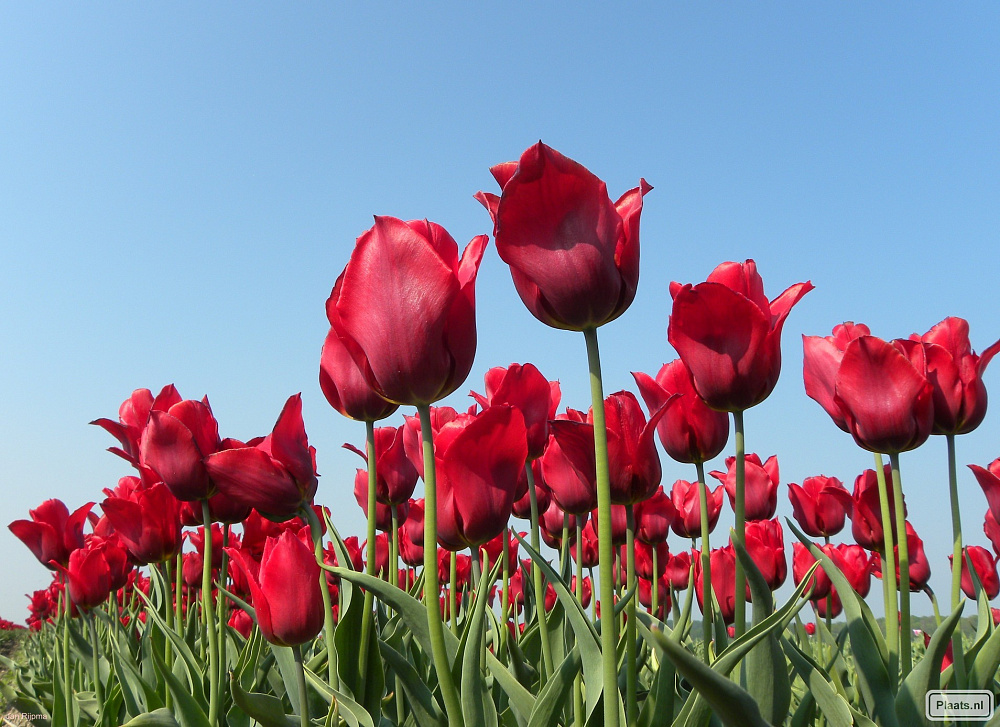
[478, 709]
[185, 705]
[366, 688]
[658, 707]
[926, 675]
[522, 702]
[872, 675]
[834, 707]
[425, 709]
[766, 670]
[162, 717]
[265, 708]
[353, 713]
[553, 696]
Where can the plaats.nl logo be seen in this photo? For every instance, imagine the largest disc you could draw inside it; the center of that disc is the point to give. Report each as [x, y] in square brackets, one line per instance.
[967, 704]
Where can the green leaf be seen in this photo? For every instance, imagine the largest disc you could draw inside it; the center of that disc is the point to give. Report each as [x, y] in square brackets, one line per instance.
[191, 714]
[658, 707]
[521, 700]
[926, 675]
[478, 709]
[834, 707]
[353, 713]
[195, 670]
[265, 708]
[426, 710]
[162, 717]
[555, 693]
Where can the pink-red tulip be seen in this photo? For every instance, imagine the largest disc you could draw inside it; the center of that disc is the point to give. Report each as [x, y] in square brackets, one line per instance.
[989, 479]
[383, 512]
[524, 387]
[723, 564]
[633, 462]
[148, 523]
[568, 466]
[176, 442]
[132, 417]
[53, 533]
[678, 572]
[729, 335]
[992, 529]
[761, 485]
[919, 568]
[765, 545]
[653, 517]
[586, 548]
[821, 361]
[662, 594]
[802, 560]
[550, 525]
[689, 430]
[522, 503]
[684, 495]
[88, 576]
[820, 504]
[405, 308]
[986, 570]
[644, 559]
[345, 387]
[856, 564]
[396, 477]
[412, 437]
[572, 252]
[619, 524]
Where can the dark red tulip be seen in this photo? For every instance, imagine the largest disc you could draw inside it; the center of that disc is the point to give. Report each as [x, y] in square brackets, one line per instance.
[550, 525]
[572, 252]
[383, 512]
[381, 555]
[765, 545]
[689, 430]
[413, 527]
[256, 531]
[989, 479]
[88, 576]
[493, 549]
[241, 622]
[856, 564]
[52, 533]
[820, 363]
[836, 605]
[644, 559]
[522, 505]
[587, 547]
[761, 485]
[148, 524]
[568, 466]
[532, 394]
[684, 496]
[221, 508]
[515, 591]
[802, 560]
[662, 595]
[810, 628]
[986, 570]
[619, 524]
[820, 505]
[193, 567]
[405, 309]
[278, 475]
[992, 529]
[866, 515]
[729, 335]
[353, 548]
[678, 572]
[197, 538]
[286, 591]
[132, 417]
[955, 372]
[478, 460]
[395, 475]
[653, 517]
[412, 438]
[723, 564]
[116, 556]
[176, 442]
[633, 463]
[920, 569]
[463, 567]
[345, 387]
[948, 658]
[586, 590]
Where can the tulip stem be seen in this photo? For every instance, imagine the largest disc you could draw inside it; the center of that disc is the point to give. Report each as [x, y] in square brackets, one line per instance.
[209, 610]
[888, 573]
[394, 548]
[579, 715]
[505, 590]
[536, 580]
[432, 588]
[740, 609]
[655, 590]
[300, 679]
[179, 592]
[609, 631]
[957, 647]
[168, 617]
[316, 531]
[829, 597]
[632, 680]
[371, 556]
[452, 587]
[906, 637]
[222, 608]
[706, 563]
[96, 654]
[564, 546]
[67, 689]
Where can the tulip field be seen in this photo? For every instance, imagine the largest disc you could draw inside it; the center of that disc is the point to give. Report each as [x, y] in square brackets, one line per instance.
[547, 575]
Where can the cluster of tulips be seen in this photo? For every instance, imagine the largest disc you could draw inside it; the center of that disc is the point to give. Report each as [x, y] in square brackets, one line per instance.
[446, 613]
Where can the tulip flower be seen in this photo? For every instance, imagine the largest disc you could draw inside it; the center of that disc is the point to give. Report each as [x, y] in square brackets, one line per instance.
[684, 496]
[522, 504]
[381, 565]
[836, 606]
[53, 533]
[586, 547]
[820, 505]
[989, 479]
[221, 509]
[729, 335]
[478, 460]
[919, 568]
[405, 309]
[551, 524]
[132, 417]
[197, 538]
[723, 565]
[761, 485]
[572, 252]
[866, 517]
[822, 361]
[286, 595]
[568, 466]
[148, 524]
[689, 430]
[766, 547]
[986, 570]
[586, 590]
[644, 561]
[678, 571]
[857, 565]
[278, 475]
[191, 573]
[802, 561]
[992, 530]
[653, 517]
[619, 522]
[412, 443]
[175, 443]
[532, 394]
[633, 461]
[345, 386]
[88, 576]
[383, 512]
[242, 623]
[396, 477]
[413, 526]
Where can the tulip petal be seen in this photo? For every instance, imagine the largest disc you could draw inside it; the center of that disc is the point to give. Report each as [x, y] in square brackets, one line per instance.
[251, 477]
[170, 449]
[290, 445]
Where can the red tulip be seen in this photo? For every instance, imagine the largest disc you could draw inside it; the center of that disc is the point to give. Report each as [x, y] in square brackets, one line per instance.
[820, 505]
[395, 475]
[568, 466]
[242, 623]
[477, 461]
[765, 545]
[414, 524]
[866, 517]
[463, 567]
[989, 480]
[132, 417]
[522, 503]
[948, 658]
[920, 569]
[532, 394]
[684, 495]
[221, 508]
[176, 442]
[587, 547]
[729, 335]
[723, 564]
[573, 254]
[761, 485]
[992, 529]
[88, 576]
[286, 595]
[856, 565]
[52, 534]
[586, 590]
[345, 387]
[405, 309]
[956, 375]
[381, 568]
[148, 523]
[383, 512]
[810, 628]
[662, 594]
[493, 549]
[633, 463]
[412, 438]
[278, 476]
[619, 524]
[802, 560]
[986, 570]
[821, 362]
[644, 559]
[689, 430]
[836, 605]
[193, 567]
[653, 517]
[678, 572]
[197, 538]
[550, 525]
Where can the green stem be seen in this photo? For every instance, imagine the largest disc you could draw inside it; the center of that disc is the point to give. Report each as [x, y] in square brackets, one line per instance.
[96, 654]
[431, 587]
[316, 531]
[655, 593]
[934, 605]
[452, 588]
[632, 677]
[394, 548]
[221, 610]
[609, 630]
[564, 546]
[579, 715]
[300, 680]
[179, 593]
[906, 637]
[538, 583]
[371, 554]
[740, 610]
[706, 564]
[505, 591]
[889, 574]
[67, 688]
[168, 617]
[829, 599]
[209, 610]
[957, 647]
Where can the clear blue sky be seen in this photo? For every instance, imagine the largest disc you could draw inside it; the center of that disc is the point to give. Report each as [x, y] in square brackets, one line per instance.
[181, 184]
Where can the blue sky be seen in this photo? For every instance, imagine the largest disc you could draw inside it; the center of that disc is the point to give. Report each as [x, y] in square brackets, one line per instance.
[180, 186]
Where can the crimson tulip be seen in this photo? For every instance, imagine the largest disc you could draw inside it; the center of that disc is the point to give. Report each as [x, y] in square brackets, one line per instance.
[396, 477]
[522, 503]
[53, 533]
[919, 568]
[662, 594]
[644, 559]
[836, 606]
[286, 595]
[405, 309]
[383, 512]
[413, 527]
[866, 517]
[197, 538]
[242, 623]
[729, 335]
[88, 576]
[586, 590]
[148, 523]
[550, 524]
[986, 570]
[568, 466]
[678, 571]
[989, 479]
[761, 485]
[689, 430]
[802, 561]
[586, 547]
[573, 254]
[382, 547]
[723, 564]
[653, 517]
[820, 505]
[633, 463]
[532, 394]
[278, 475]
[132, 417]
[992, 529]
[684, 496]
[821, 362]
[221, 509]
[192, 568]
[765, 545]
[619, 524]
[345, 386]
[412, 437]
[856, 564]
[175, 443]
